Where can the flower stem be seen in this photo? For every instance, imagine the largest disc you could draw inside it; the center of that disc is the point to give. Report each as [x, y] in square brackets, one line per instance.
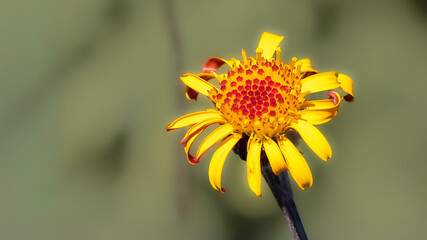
[282, 191]
[279, 186]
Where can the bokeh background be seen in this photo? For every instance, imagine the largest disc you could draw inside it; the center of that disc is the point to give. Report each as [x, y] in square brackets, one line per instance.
[87, 88]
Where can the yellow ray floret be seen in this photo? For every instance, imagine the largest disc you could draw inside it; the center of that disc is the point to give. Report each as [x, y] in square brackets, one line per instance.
[323, 104]
[314, 138]
[193, 118]
[274, 155]
[198, 84]
[213, 138]
[268, 43]
[317, 117]
[201, 126]
[305, 65]
[187, 146]
[346, 85]
[320, 82]
[297, 165]
[254, 165]
[218, 159]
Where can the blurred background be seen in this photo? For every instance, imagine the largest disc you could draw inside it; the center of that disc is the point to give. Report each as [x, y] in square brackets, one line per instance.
[87, 88]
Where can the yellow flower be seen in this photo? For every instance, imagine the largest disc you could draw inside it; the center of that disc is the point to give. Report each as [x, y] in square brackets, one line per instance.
[262, 98]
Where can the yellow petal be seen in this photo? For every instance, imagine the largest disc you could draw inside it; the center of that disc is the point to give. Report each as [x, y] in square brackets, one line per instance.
[305, 65]
[347, 86]
[193, 118]
[314, 138]
[297, 165]
[317, 117]
[206, 76]
[214, 137]
[189, 143]
[193, 133]
[198, 84]
[320, 82]
[253, 163]
[319, 104]
[274, 155]
[321, 111]
[201, 125]
[191, 93]
[268, 43]
[218, 159]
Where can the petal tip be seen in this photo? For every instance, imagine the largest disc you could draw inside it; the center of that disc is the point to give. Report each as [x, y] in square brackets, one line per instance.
[334, 96]
[327, 157]
[200, 154]
[304, 186]
[193, 160]
[212, 64]
[349, 98]
[280, 171]
[191, 94]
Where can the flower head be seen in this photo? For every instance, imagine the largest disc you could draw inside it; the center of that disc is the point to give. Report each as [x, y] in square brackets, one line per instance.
[262, 98]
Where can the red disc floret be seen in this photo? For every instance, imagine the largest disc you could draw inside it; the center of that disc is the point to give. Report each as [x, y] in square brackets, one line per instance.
[259, 92]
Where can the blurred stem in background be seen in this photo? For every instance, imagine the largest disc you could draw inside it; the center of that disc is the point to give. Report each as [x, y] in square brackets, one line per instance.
[183, 174]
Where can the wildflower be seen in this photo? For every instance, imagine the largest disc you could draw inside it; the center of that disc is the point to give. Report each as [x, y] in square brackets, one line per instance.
[262, 98]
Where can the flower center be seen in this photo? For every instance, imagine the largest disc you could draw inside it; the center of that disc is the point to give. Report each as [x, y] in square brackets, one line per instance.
[261, 96]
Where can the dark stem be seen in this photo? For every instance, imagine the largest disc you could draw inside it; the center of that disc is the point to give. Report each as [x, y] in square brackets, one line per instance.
[279, 186]
[282, 191]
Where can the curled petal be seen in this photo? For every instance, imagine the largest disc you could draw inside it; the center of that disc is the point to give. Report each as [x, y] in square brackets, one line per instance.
[320, 82]
[193, 133]
[201, 125]
[213, 138]
[314, 138]
[193, 118]
[347, 86]
[212, 64]
[191, 93]
[253, 163]
[187, 146]
[198, 84]
[317, 117]
[323, 104]
[297, 165]
[218, 159]
[268, 43]
[274, 155]
[305, 65]
[336, 98]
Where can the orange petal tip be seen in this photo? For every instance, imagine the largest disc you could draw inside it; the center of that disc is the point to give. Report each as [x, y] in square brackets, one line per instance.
[191, 94]
[334, 97]
[193, 160]
[349, 98]
[212, 64]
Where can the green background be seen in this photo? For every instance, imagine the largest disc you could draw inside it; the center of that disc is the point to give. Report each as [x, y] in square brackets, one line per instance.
[87, 88]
